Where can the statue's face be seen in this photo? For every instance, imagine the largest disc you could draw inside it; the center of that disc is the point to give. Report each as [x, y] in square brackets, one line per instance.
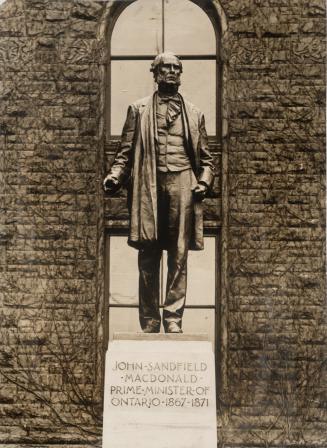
[169, 71]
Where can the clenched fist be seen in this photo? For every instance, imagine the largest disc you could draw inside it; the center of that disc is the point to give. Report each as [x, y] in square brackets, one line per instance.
[110, 184]
[200, 191]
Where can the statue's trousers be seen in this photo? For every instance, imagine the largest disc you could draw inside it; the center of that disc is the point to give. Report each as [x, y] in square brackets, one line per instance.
[175, 216]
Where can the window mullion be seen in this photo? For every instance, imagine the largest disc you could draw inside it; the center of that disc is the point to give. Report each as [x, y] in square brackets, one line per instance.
[143, 57]
[161, 280]
[163, 24]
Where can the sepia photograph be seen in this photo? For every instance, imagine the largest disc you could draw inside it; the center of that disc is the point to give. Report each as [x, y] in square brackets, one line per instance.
[163, 224]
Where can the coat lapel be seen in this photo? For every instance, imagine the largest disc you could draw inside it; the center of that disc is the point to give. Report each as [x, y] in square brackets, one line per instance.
[193, 125]
[149, 224]
[145, 118]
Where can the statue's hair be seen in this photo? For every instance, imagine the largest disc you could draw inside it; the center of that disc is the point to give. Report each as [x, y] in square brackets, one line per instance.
[159, 60]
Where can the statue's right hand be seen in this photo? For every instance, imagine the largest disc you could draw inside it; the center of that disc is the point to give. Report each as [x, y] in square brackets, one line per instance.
[111, 184]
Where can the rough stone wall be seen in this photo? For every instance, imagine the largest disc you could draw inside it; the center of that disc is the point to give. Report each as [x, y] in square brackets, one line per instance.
[274, 53]
[51, 93]
[51, 207]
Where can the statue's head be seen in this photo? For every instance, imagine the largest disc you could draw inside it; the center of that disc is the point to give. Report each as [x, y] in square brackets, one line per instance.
[167, 69]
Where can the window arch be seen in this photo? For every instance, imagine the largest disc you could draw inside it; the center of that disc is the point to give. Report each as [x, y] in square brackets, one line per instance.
[138, 30]
[143, 28]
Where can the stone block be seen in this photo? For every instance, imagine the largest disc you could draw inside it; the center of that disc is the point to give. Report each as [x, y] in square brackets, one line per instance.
[159, 388]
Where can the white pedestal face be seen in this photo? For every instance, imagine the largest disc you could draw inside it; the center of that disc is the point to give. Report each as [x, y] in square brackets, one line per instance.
[160, 394]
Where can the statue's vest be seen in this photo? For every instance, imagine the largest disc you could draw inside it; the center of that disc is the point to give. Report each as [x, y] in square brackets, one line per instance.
[171, 154]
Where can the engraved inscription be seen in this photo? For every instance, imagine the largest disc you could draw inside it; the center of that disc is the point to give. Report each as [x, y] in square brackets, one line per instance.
[160, 384]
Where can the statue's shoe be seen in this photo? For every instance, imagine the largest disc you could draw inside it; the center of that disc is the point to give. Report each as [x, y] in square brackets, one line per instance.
[173, 327]
[151, 329]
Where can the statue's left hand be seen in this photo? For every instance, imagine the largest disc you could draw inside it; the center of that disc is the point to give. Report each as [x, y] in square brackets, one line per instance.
[111, 184]
[200, 191]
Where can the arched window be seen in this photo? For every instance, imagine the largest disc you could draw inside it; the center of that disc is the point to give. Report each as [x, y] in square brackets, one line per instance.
[148, 27]
[140, 30]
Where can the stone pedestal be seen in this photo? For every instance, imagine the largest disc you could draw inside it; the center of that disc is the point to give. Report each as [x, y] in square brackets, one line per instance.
[160, 392]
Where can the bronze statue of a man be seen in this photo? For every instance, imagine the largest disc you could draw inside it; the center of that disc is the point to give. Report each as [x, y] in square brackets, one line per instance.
[164, 154]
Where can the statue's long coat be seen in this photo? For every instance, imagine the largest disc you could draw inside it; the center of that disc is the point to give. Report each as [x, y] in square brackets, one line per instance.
[136, 159]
